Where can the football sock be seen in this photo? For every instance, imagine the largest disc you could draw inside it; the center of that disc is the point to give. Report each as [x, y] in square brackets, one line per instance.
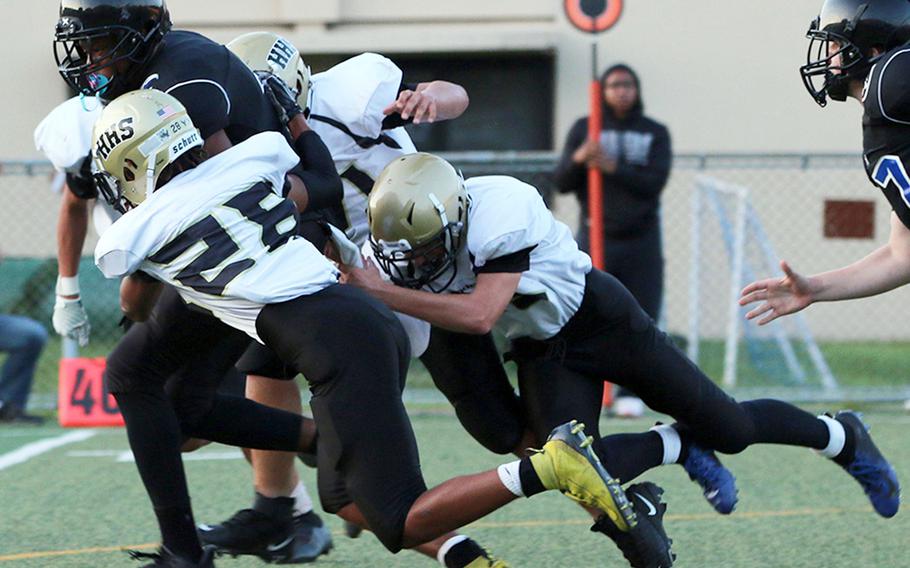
[510, 476]
[447, 546]
[155, 439]
[531, 484]
[671, 443]
[302, 502]
[461, 552]
[841, 441]
[178, 532]
[274, 507]
[626, 456]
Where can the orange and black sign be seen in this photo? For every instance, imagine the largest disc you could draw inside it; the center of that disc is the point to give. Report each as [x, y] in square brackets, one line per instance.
[593, 16]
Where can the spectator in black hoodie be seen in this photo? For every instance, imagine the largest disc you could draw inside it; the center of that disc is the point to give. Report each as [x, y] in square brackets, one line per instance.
[633, 153]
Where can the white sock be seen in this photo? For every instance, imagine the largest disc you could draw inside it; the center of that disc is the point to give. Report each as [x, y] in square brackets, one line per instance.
[508, 475]
[447, 546]
[302, 502]
[672, 444]
[836, 437]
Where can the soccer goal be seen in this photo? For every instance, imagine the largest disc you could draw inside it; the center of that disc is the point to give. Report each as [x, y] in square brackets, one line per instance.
[730, 249]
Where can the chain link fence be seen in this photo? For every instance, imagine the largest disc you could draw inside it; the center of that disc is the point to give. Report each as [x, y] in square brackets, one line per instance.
[863, 340]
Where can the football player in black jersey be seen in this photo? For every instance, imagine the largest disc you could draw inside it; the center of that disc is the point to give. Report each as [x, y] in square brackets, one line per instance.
[109, 47]
[859, 50]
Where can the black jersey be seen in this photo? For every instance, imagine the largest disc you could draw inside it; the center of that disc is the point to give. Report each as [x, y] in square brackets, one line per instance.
[217, 89]
[886, 129]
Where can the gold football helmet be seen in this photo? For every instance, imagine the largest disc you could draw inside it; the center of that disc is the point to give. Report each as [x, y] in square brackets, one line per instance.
[418, 214]
[135, 138]
[267, 51]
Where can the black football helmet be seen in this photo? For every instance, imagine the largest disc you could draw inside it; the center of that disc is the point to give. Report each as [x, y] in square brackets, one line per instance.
[857, 28]
[133, 29]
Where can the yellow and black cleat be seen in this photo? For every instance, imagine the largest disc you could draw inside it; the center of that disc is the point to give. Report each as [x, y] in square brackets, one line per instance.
[568, 463]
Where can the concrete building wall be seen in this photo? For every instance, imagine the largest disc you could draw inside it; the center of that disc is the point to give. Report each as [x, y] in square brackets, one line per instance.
[721, 74]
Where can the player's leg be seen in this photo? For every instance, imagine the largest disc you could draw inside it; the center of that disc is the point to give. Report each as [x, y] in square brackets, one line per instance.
[638, 263]
[356, 384]
[136, 371]
[157, 424]
[468, 370]
[281, 525]
[630, 347]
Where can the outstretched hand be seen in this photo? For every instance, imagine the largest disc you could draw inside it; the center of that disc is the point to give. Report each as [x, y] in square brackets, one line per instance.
[781, 296]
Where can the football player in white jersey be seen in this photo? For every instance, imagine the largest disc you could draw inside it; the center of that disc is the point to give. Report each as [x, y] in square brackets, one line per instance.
[491, 243]
[226, 240]
[64, 137]
[358, 108]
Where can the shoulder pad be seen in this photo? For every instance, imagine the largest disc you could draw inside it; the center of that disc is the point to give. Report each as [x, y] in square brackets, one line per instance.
[893, 86]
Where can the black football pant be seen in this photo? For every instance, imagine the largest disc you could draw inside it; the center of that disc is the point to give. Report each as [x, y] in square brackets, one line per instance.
[638, 263]
[354, 354]
[610, 335]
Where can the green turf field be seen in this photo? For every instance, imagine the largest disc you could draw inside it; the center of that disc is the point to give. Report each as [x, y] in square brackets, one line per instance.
[78, 504]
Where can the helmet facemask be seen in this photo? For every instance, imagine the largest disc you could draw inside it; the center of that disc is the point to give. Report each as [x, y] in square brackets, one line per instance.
[132, 32]
[820, 64]
[431, 264]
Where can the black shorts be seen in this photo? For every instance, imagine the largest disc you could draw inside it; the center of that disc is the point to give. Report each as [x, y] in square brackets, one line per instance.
[354, 355]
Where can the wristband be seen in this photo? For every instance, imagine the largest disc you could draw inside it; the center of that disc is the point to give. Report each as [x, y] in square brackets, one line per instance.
[68, 285]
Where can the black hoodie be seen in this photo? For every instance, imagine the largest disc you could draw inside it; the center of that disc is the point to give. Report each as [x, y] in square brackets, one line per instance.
[642, 149]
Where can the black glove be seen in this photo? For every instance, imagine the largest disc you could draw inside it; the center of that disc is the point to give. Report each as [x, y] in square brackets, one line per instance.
[281, 95]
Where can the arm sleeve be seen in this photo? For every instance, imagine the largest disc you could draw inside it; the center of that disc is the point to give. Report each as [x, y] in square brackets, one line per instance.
[569, 176]
[519, 261]
[318, 173]
[207, 102]
[648, 180]
[394, 120]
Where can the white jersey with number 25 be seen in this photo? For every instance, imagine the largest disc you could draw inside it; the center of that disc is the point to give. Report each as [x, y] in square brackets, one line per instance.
[222, 235]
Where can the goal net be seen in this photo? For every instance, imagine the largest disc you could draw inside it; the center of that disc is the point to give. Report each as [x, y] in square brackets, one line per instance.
[729, 250]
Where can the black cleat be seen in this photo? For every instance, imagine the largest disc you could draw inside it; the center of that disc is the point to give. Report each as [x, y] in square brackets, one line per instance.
[647, 544]
[165, 558]
[276, 541]
[870, 468]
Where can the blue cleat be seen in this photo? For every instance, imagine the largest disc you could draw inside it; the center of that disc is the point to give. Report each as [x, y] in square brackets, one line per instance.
[717, 483]
[870, 468]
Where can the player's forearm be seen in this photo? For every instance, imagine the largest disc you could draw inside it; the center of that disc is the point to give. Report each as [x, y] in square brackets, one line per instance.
[451, 99]
[72, 226]
[879, 272]
[138, 295]
[455, 312]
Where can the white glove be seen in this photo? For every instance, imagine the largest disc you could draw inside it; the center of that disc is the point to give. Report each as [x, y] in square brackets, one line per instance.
[70, 320]
[347, 250]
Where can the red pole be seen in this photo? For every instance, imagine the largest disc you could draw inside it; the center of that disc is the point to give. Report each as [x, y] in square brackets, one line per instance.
[595, 183]
[595, 195]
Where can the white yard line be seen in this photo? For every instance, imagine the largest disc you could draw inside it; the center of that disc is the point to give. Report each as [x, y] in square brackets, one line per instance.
[29, 451]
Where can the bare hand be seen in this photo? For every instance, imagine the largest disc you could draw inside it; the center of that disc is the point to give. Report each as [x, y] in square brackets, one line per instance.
[781, 296]
[603, 162]
[367, 278]
[419, 104]
[588, 150]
